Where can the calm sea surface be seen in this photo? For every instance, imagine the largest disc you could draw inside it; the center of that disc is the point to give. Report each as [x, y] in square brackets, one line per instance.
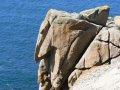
[19, 25]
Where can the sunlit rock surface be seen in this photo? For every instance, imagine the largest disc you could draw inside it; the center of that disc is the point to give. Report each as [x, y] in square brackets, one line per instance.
[76, 49]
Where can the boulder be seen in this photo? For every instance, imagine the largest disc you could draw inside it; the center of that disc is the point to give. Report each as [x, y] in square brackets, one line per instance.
[97, 53]
[95, 15]
[104, 49]
[104, 77]
[64, 38]
[68, 45]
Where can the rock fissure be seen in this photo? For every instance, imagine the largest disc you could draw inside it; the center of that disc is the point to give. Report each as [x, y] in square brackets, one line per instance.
[109, 42]
[109, 60]
[115, 56]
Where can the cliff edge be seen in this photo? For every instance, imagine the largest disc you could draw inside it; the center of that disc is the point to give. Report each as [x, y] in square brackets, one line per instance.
[79, 51]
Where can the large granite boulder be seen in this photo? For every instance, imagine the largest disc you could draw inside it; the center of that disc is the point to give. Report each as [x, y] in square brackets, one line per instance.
[62, 41]
[104, 47]
[103, 77]
[102, 50]
[94, 15]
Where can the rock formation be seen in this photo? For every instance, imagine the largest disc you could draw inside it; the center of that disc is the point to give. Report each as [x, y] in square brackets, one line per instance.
[70, 44]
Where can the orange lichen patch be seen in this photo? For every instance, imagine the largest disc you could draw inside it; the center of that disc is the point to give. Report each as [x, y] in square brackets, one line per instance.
[94, 67]
[104, 7]
[86, 72]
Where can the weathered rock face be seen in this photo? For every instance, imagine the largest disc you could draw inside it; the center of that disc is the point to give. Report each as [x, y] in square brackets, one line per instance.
[95, 15]
[68, 44]
[103, 49]
[104, 77]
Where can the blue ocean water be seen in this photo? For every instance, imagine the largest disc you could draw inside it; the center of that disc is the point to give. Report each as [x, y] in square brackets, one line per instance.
[19, 26]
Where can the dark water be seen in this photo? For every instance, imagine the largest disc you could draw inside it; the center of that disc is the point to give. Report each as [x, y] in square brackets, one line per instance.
[19, 25]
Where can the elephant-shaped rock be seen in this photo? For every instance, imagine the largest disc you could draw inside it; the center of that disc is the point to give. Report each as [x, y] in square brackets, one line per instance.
[63, 39]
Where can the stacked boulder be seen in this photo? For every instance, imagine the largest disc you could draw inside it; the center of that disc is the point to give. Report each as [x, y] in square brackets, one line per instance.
[70, 43]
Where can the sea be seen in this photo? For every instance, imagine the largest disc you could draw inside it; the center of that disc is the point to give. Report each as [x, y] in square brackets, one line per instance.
[19, 26]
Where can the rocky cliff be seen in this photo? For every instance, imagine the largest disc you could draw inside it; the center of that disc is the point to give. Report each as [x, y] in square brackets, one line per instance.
[79, 51]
